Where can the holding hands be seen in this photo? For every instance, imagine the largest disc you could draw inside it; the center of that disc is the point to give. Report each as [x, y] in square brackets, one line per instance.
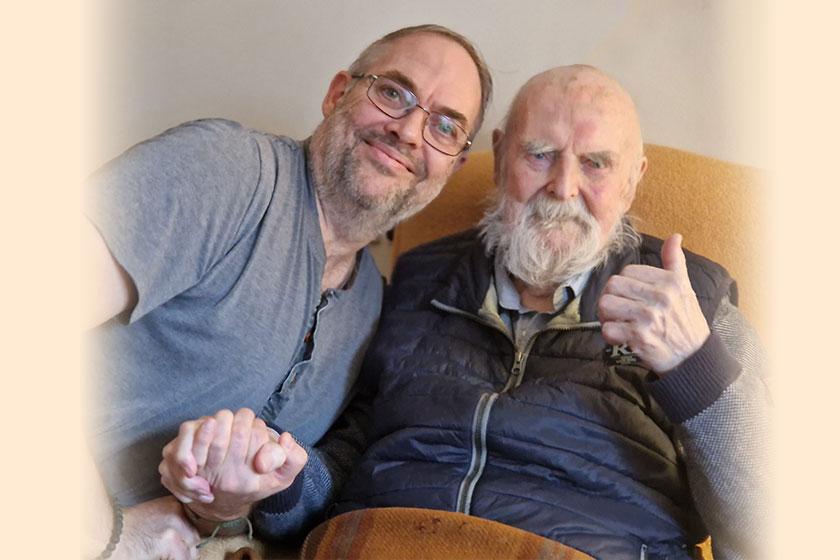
[221, 465]
[654, 311]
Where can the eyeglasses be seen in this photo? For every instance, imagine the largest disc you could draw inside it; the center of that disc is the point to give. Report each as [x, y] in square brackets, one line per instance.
[395, 100]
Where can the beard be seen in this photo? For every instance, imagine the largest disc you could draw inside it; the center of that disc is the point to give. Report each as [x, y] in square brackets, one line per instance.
[547, 242]
[354, 212]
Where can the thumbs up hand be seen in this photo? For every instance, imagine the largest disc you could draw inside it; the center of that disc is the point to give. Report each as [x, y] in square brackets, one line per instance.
[654, 310]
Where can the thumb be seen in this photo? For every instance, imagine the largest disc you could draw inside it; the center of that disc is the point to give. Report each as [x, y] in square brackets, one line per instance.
[673, 258]
[270, 457]
[296, 457]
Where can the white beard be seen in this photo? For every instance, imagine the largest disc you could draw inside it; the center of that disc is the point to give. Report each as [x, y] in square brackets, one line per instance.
[547, 242]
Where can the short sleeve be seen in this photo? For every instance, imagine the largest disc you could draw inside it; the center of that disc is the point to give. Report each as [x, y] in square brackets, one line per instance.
[170, 207]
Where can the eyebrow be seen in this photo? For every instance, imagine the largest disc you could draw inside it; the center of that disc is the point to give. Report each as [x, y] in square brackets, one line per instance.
[407, 82]
[606, 155]
[536, 146]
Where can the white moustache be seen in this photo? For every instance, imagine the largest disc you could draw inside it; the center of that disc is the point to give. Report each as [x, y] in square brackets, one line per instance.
[547, 213]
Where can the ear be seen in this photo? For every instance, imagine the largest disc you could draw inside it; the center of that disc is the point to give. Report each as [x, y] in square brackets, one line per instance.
[338, 88]
[638, 173]
[643, 163]
[498, 137]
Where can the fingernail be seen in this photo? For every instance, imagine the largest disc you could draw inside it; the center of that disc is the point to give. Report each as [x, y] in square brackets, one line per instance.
[206, 498]
[287, 443]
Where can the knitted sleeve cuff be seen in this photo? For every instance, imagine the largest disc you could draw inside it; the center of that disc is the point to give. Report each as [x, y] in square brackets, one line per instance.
[694, 385]
[284, 501]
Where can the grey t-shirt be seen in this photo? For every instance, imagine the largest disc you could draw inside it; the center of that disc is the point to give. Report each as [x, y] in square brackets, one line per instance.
[218, 227]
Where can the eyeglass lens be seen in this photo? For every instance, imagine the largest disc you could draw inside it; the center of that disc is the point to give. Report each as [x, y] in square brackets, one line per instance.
[396, 101]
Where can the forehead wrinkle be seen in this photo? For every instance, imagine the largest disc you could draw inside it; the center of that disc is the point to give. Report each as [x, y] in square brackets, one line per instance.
[536, 117]
[577, 98]
[540, 122]
[613, 115]
[615, 106]
[592, 92]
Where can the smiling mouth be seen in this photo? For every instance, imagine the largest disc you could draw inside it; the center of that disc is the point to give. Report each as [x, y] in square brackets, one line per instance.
[389, 157]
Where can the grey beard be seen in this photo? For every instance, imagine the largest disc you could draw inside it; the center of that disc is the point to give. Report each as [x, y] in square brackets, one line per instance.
[521, 250]
[353, 215]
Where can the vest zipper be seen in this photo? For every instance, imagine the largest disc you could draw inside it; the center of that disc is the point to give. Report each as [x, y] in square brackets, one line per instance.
[518, 369]
[481, 417]
[515, 377]
[479, 452]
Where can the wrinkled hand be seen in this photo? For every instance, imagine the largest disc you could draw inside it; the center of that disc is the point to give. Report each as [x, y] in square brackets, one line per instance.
[157, 529]
[654, 311]
[221, 465]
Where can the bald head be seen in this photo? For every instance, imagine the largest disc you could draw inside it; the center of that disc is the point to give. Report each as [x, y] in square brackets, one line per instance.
[575, 88]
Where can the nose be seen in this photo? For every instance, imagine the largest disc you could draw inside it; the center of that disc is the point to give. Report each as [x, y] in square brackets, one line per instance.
[408, 129]
[564, 181]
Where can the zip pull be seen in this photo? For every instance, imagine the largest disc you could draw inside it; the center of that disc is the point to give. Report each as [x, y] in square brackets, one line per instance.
[515, 377]
[517, 363]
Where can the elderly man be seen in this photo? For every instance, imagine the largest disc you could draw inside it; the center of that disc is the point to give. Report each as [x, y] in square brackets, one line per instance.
[232, 274]
[558, 372]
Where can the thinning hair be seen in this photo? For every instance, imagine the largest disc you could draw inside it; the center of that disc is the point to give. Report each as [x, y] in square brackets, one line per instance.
[378, 48]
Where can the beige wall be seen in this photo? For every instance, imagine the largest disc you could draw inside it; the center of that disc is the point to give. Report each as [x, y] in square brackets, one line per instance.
[694, 67]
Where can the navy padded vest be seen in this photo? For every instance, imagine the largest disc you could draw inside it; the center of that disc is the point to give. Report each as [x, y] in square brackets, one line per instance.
[571, 447]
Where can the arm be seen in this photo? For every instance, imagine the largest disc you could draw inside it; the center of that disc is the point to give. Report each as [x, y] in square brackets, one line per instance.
[156, 219]
[162, 214]
[291, 514]
[725, 443]
[709, 386]
[97, 515]
[108, 290]
[154, 529]
[151, 530]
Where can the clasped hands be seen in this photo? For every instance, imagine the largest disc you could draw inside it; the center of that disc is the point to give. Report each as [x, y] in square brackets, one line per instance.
[654, 311]
[221, 465]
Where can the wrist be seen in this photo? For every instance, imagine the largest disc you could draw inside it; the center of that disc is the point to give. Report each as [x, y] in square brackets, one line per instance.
[218, 511]
[116, 531]
[221, 526]
[697, 382]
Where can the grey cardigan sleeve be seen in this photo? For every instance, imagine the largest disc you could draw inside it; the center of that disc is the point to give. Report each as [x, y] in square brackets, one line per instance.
[725, 441]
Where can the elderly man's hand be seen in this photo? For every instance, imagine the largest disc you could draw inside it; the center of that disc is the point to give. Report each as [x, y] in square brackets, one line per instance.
[654, 311]
[221, 465]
